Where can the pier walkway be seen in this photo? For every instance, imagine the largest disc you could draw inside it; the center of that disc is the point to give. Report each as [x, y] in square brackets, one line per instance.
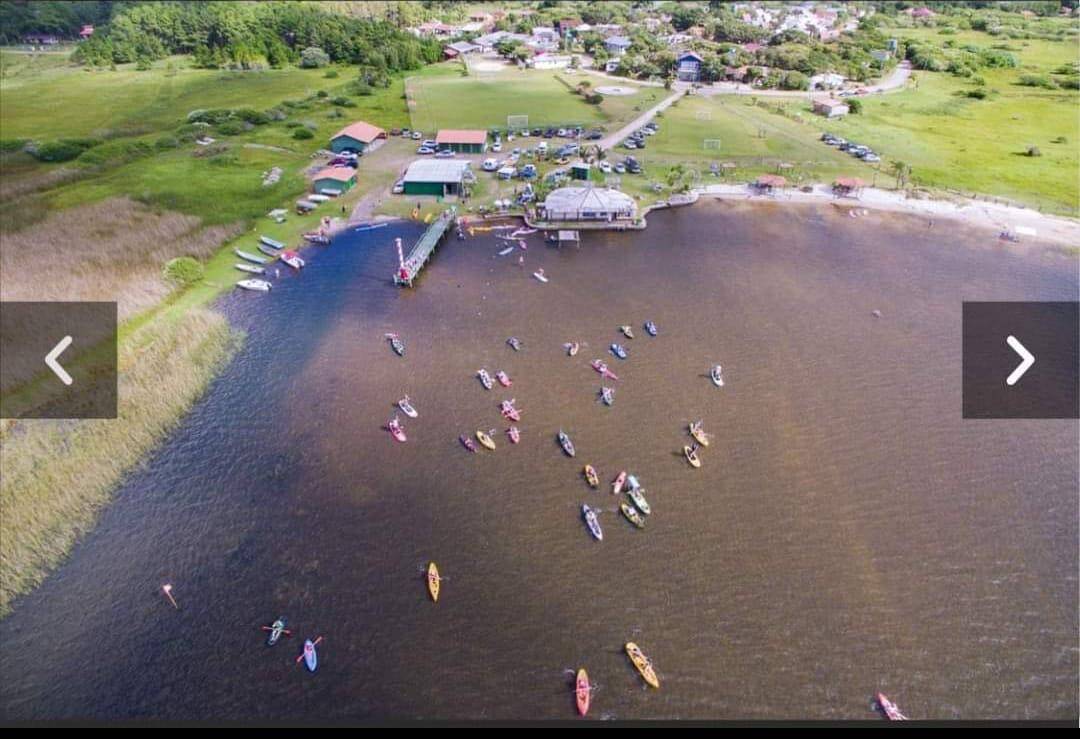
[409, 267]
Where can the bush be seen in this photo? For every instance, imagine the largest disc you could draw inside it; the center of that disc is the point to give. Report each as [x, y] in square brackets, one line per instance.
[115, 152]
[230, 128]
[343, 102]
[254, 117]
[276, 114]
[331, 74]
[854, 105]
[1033, 151]
[61, 150]
[313, 57]
[166, 142]
[209, 116]
[9, 145]
[183, 271]
[594, 98]
[362, 88]
[1037, 80]
[978, 93]
[303, 133]
[322, 94]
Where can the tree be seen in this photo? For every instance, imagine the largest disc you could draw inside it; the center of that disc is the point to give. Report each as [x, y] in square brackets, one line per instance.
[902, 170]
[314, 57]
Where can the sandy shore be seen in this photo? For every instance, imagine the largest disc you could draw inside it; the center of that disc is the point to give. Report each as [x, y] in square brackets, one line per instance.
[987, 215]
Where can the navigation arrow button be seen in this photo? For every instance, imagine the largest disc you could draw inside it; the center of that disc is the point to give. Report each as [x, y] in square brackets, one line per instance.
[1027, 357]
[50, 360]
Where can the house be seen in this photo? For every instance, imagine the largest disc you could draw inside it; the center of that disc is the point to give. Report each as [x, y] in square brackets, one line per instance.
[334, 180]
[545, 35]
[472, 28]
[831, 108]
[588, 204]
[435, 29]
[617, 45]
[488, 41]
[41, 39]
[566, 25]
[86, 32]
[848, 186]
[688, 66]
[436, 177]
[355, 137]
[462, 141]
[548, 61]
[923, 12]
[826, 81]
[608, 29]
[460, 48]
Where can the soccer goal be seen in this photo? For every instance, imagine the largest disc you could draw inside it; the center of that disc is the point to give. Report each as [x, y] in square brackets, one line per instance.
[517, 122]
[710, 144]
[703, 115]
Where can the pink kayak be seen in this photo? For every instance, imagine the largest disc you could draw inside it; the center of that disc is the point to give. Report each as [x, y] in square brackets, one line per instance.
[514, 434]
[394, 427]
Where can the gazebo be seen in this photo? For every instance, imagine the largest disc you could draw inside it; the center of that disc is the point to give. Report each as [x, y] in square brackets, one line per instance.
[767, 183]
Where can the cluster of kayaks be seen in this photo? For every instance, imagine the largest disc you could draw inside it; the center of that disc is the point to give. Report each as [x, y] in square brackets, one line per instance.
[583, 687]
[272, 248]
[697, 431]
[309, 656]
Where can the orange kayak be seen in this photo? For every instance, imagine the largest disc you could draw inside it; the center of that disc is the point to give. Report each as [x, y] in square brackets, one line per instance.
[642, 663]
[433, 581]
[583, 691]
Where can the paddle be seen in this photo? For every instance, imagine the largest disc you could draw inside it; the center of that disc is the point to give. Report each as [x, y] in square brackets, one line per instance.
[313, 645]
[286, 632]
[167, 589]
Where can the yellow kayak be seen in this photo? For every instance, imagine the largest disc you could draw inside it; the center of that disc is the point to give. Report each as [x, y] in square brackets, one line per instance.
[642, 663]
[691, 457]
[433, 581]
[485, 439]
[699, 434]
[591, 477]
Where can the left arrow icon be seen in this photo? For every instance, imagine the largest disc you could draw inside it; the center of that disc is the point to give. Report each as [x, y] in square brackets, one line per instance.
[51, 363]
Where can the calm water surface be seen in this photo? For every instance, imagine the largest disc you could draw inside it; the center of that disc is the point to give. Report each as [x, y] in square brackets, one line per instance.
[848, 531]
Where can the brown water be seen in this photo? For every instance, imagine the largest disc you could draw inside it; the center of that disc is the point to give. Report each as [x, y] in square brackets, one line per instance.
[847, 533]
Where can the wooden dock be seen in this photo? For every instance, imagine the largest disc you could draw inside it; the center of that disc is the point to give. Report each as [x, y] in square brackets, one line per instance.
[409, 267]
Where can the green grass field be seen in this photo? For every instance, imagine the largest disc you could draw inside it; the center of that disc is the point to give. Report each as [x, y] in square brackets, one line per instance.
[953, 142]
[440, 97]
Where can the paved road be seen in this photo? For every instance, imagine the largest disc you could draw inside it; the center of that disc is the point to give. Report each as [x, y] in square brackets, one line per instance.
[896, 80]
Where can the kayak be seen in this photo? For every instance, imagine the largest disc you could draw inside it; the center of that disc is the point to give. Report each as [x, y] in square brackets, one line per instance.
[627, 331]
[592, 522]
[407, 407]
[276, 630]
[371, 226]
[639, 500]
[257, 285]
[642, 663]
[433, 581]
[515, 343]
[250, 268]
[394, 427]
[582, 691]
[467, 443]
[508, 410]
[602, 368]
[250, 257]
[566, 444]
[572, 348]
[292, 259]
[514, 434]
[632, 515]
[650, 328]
[619, 351]
[591, 477]
[540, 276]
[485, 379]
[522, 232]
[485, 440]
[607, 395]
[506, 251]
[889, 708]
[699, 433]
[396, 344]
[311, 659]
[503, 378]
[632, 482]
[267, 250]
[617, 483]
[691, 457]
[272, 243]
[716, 373]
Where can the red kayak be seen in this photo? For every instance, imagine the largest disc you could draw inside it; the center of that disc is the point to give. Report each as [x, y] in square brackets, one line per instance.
[514, 434]
[394, 427]
[583, 691]
[503, 378]
[889, 708]
[617, 483]
[509, 411]
[602, 368]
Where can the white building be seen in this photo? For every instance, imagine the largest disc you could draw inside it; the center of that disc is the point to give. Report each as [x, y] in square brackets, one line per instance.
[548, 61]
[588, 204]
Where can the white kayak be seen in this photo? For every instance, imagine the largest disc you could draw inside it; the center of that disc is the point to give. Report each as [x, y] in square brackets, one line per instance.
[540, 276]
[257, 285]
[717, 375]
[407, 407]
[506, 251]
[592, 522]
[250, 268]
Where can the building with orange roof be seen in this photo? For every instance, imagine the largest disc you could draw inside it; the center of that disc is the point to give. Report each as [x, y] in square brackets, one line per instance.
[356, 137]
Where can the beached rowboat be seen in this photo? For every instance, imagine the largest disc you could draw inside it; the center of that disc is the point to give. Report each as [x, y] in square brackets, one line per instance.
[256, 285]
[272, 243]
[691, 457]
[699, 434]
[250, 268]
[889, 708]
[407, 407]
[255, 258]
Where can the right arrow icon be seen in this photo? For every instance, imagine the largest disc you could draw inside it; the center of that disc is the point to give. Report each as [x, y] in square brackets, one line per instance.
[1027, 358]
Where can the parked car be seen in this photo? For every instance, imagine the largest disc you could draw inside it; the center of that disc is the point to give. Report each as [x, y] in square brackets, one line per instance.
[496, 147]
[619, 168]
[444, 154]
[417, 135]
[549, 133]
[490, 165]
[429, 143]
[405, 133]
[629, 144]
[871, 157]
[399, 187]
[595, 135]
[395, 131]
[425, 150]
[561, 133]
[527, 172]
[605, 167]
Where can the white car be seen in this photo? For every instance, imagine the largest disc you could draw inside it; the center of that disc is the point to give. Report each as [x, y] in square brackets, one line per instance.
[417, 135]
[429, 143]
[605, 167]
[399, 187]
[496, 147]
[490, 165]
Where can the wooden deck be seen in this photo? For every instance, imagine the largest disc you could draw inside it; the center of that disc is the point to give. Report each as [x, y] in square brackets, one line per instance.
[410, 266]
